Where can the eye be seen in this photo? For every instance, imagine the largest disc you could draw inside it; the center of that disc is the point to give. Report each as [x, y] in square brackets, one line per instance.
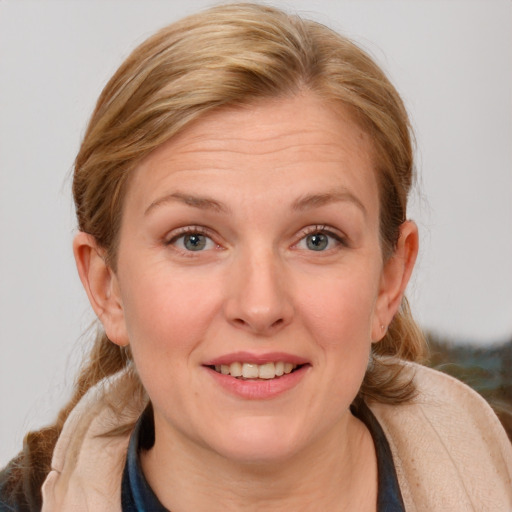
[192, 241]
[319, 240]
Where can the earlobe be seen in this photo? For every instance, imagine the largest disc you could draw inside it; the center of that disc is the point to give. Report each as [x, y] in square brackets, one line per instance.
[395, 276]
[100, 284]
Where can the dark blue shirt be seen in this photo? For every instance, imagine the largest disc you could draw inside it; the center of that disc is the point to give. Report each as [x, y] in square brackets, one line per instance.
[137, 495]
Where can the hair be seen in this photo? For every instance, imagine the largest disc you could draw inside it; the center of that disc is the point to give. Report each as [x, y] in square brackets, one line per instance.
[229, 56]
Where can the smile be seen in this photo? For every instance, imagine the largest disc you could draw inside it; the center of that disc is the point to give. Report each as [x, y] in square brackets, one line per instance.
[265, 371]
[252, 376]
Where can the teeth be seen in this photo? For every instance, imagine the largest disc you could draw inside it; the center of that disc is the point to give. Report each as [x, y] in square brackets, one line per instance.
[235, 370]
[256, 371]
[267, 371]
[250, 371]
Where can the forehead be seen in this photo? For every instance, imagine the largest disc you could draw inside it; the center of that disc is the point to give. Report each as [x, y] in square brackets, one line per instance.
[288, 143]
[268, 125]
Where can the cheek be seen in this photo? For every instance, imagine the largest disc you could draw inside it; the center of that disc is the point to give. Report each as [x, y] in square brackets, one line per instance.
[167, 314]
[166, 323]
[339, 309]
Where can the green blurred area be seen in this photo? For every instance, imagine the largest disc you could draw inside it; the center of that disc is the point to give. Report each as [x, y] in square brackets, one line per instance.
[488, 370]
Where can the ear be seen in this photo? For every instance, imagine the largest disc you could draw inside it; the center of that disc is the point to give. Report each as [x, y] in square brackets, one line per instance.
[101, 286]
[395, 276]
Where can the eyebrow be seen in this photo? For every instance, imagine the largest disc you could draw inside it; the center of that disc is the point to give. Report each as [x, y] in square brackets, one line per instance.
[303, 203]
[201, 202]
[316, 200]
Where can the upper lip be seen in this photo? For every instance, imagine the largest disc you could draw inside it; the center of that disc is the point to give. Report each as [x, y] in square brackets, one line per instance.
[253, 358]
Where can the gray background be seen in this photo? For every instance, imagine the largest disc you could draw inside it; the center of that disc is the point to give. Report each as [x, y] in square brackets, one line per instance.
[452, 62]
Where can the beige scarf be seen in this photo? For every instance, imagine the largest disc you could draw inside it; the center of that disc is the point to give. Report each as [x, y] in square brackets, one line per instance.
[450, 451]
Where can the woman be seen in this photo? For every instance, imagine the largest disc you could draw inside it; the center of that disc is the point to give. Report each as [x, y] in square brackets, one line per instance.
[241, 194]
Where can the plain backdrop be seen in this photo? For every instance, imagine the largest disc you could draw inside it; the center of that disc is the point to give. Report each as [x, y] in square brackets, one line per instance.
[452, 62]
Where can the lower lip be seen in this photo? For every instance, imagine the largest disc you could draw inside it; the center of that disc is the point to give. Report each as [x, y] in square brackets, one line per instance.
[259, 389]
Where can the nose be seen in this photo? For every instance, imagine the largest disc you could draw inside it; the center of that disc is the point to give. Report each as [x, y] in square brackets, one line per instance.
[259, 295]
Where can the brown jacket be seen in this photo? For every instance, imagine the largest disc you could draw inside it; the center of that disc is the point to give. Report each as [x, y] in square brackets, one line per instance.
[450, 451]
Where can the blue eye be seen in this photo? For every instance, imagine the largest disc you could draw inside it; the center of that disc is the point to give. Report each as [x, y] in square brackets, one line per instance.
[193, 242]
[317, 241]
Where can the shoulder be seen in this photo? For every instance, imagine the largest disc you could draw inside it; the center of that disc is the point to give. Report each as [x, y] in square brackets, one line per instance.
[89, 456]
[449, 447]
[448, 404]
[444, 403]
[16, 492]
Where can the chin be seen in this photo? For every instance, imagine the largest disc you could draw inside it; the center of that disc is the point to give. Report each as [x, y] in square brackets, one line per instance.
[259, 442]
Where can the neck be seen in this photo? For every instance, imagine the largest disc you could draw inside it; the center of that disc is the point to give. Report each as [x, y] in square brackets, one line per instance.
[337, 472]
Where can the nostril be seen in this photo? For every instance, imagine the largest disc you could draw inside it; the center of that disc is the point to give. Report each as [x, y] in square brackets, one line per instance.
[240, 322]
[278, 322]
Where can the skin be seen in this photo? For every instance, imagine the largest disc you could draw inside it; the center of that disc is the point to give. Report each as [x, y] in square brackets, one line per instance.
[258, 182]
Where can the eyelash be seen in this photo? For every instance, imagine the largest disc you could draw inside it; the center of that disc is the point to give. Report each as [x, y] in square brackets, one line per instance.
[189, 230]
[324, 230]
[201, 230]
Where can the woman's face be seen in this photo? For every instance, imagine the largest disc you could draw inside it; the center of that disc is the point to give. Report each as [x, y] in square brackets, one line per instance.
[250, 278]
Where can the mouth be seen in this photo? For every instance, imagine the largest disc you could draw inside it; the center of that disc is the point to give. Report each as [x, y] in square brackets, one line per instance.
[251, 371]
[258, 376]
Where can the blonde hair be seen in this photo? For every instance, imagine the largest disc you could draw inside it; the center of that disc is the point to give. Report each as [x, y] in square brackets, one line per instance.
[227, 56]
